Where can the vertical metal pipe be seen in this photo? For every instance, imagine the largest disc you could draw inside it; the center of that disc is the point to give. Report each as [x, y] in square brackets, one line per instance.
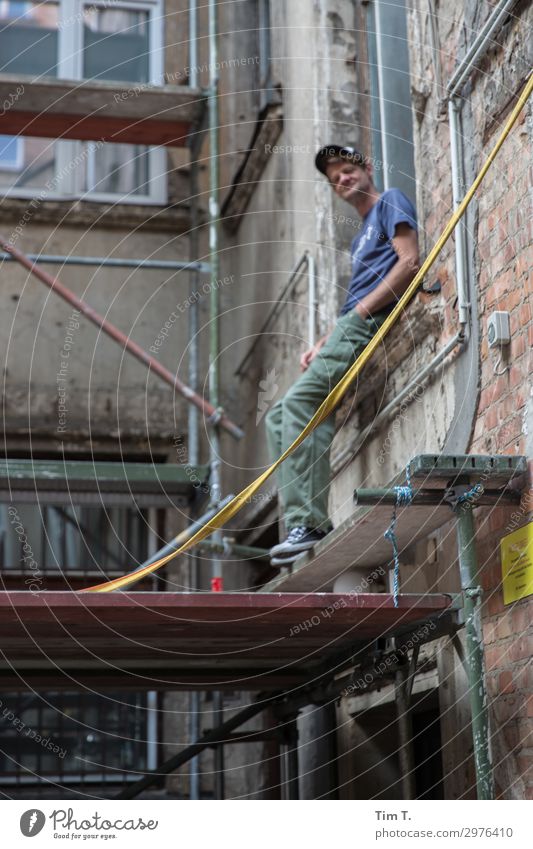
[151, 730]
[291, 774]
[151, 696]
[193, 447]
[461, 267]
[218, 717]
[475, 661]
[405, 733]
[463, 70]
[311, 272]
[214, 338]
[479, 46]
[193, 44]
[214, 298]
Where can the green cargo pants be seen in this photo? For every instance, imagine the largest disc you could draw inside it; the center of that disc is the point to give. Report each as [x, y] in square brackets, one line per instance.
[303, 479]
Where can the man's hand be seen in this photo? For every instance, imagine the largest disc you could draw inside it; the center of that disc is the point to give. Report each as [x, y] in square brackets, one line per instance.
[307, 358]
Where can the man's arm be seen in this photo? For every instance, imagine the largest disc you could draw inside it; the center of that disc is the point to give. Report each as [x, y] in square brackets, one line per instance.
[394, 284]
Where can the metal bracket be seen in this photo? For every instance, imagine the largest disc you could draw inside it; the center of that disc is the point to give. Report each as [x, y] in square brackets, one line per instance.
[462, 493]
[215, 416]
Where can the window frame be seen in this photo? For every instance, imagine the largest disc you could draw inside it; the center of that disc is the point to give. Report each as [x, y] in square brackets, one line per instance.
[68, 182]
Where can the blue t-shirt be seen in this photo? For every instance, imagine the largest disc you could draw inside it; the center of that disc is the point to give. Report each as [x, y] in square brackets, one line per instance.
[372, 252]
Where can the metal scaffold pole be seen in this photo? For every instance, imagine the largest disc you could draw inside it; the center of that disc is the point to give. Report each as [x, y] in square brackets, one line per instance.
[462, 496]
[194, 724]
[214, 341]
[475, 661]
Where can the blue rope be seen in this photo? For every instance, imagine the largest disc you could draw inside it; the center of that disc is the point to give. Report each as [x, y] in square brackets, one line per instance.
[404, 496]
[473, 493]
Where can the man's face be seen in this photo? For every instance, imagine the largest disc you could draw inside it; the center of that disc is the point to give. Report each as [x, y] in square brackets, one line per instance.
[349, 181]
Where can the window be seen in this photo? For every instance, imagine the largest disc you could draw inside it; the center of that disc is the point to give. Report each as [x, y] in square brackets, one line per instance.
[11, 153]
[85, 540]
[391, 120]
[72, 737]
[119, 41]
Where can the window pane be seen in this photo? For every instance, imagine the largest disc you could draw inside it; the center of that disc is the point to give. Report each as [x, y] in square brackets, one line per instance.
[11, 153]
[28, 38]
[118, 168]
[80, 538]
[35, 167]
[115, 44]
[72, 732]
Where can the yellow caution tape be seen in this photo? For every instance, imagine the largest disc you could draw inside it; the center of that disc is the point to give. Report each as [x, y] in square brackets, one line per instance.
[337, 393]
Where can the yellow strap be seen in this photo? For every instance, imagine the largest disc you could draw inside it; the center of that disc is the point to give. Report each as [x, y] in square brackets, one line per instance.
[329, 404]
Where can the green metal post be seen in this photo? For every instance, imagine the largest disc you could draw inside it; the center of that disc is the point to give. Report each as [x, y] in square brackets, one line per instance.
[475, 661]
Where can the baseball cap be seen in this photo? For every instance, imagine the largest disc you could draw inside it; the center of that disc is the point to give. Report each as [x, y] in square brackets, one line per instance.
[335, 151]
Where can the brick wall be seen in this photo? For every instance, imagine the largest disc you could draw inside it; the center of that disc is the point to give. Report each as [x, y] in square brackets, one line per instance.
[505, 247]
[501, 226]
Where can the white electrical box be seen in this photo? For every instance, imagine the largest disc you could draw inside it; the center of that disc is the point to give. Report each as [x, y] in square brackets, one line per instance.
[498, 329]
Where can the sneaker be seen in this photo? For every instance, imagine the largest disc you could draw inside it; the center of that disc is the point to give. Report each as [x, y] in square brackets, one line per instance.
[299, 539]
[288, 560]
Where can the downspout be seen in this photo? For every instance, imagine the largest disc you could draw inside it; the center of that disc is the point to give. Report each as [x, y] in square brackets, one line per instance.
[214, 341]
[152, 704]
[467, 370]
[467, 377]
[193, 418]
[193, 45]
[312, 299]
[214, 298]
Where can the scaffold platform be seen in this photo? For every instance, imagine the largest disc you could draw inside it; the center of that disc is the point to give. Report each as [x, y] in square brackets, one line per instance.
[185, 641]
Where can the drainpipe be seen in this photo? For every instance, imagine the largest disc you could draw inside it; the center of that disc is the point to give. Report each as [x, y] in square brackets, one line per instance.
[193, 420]
[151, 696]
[312, 299]
[458, 79]
[458, 182]
[193, 46]
[214, 225]
[467, 373]
[214, 341]
[479, 46]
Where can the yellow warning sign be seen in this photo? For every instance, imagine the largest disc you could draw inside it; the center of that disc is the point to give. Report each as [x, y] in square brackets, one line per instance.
[517, 564]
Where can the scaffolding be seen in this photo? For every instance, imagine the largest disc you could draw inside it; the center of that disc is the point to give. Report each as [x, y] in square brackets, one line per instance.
[172, 116]
[295, 647]
[273, 643]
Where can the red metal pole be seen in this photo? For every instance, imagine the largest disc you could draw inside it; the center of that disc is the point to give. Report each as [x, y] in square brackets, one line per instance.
[116, 334]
